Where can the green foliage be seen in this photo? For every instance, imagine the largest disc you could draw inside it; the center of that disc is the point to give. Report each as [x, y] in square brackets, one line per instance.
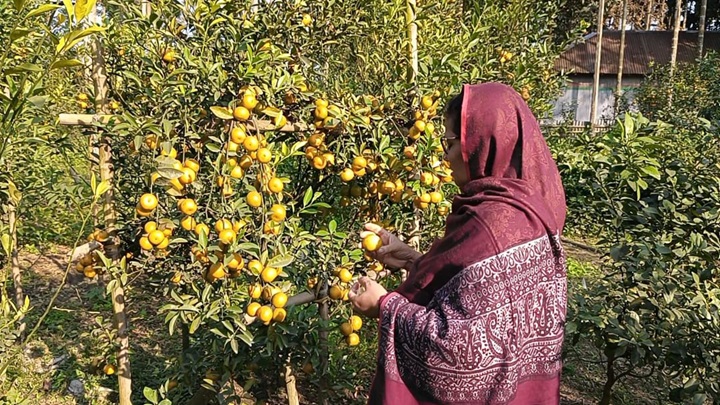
[654, 189]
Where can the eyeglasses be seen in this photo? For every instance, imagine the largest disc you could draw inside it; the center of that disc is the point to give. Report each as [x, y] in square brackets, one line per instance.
[445, 144]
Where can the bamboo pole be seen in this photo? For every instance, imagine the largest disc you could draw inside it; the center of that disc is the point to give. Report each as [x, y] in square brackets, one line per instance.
[676, 35]
[598, 59]
[648, 14]
[15, 266]
[618, 90]
[701, 28]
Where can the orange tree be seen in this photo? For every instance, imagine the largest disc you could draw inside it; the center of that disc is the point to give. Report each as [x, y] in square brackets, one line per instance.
[252, 142]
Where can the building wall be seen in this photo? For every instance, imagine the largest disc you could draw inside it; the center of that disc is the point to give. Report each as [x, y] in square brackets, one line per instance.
[576, 100]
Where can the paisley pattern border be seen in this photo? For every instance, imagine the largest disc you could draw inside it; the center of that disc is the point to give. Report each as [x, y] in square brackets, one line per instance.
[497, 323]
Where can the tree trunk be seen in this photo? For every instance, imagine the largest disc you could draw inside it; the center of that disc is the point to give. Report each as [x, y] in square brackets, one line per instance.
[676, 35]
[598, 58]
[619, 90]
[124, 374]
[292, 393]
[412, 38]
[701, 28]
[15, 266]
[684, 20]
[609, 382]
[648, 15]
[324, 351]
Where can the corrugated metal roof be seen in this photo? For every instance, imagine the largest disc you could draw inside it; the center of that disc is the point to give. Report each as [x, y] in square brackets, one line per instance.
[641, 47]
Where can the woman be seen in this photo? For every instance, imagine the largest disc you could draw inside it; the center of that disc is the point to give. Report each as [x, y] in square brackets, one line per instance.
[480, 318]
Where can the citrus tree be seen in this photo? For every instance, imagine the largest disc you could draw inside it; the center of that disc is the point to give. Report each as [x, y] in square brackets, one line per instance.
[252, 141]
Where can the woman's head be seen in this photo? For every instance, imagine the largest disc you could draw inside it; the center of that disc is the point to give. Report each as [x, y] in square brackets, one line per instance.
[452, 143]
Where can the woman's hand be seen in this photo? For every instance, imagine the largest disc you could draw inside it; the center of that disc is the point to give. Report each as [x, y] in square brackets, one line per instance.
[393, 253]
[365, 296]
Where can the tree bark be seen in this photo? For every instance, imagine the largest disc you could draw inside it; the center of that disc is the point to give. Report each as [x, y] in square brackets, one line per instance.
[609, 382]
[701, 28]
[648, 15]
[598, 59]
[15, 267]
[323, 342]
[412, 38]
[676, 35]
[619, 90]
[292, 393]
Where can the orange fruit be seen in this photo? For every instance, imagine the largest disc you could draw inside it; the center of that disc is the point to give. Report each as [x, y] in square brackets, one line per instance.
[217, 271]
[321, 112]
[268, 292]
[237, 262]
[202, 228]
[275, 185]
[227, 236]
[426, 178]
[345, 275]
[372, 242]
[347, 175]
[409, 152]
[254, 199]
[150, 226]
[307, 20]
[109, 369]
[238, 225]
[89, 272]
[192, 164]
[352, 339]
[426, 102]
[443, 209]
[254, 291]
[425, 197]
[232, 146]
[335, 292]
[435, 197]
[264, 155]
[253, 308]
[188, 206]
[156, 237]
[279, 314]
[245, 162]
[237, 172]
[430, 127]
[176, 278]
[319, 162]
[241, 113]
[356, 322]
[169, 56]
[251, 143]
[238, 134]
[321, 103]
[164, 243]
[265, 313]
[249, 101]
[188, 176]
[346, 328]
[279, 300]
[269, 274]
[145, 243]
[359, 163]
[167, 231]
[315, 140]
[223, 224]
[148, 202]
[419, 125]
[255, 266]
[278, 212]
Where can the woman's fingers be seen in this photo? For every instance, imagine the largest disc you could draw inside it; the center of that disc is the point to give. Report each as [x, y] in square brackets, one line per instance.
[374, 228]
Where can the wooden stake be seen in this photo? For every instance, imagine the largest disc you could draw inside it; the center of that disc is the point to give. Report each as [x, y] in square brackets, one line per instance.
[619, 90]
[15, 266]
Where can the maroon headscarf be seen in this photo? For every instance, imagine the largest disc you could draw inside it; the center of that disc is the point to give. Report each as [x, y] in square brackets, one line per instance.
[508, 162]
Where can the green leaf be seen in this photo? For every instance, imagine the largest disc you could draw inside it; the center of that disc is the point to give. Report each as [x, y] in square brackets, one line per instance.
[651, 171]
[19, 4]
[280, 261]
[194, 325]
[308, 196]
[93, 184]
[151, 395]
[6, 244]
[25, 67]
[15, 194]
[65, 63]
[69, 8]
[102, 188]
[42, 9]
[18, 33]
[83, 8]
[221, 112]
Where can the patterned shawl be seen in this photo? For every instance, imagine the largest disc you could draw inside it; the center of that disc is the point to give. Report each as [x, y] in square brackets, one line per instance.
[480, 319]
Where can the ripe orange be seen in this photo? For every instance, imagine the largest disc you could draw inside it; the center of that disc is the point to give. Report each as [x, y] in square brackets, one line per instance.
[443, 209]
[278, 212]
[164, 243]
[245, 161]
[307, 20]
[148, 202]
[426, 178]
[223, 224]
[265, 313]
[319, 162]
[150, 226]
[188, 176]
[279, 300]
[249, 101]
[192, 164]
[89, 272]
[264, 155]
[435, 197]
[353, 339]
[241, 113]
[275, 185]
[237, 172]
[255, 266]
[253, 308]
[321, 103]
[430, 127]
[188, 206]
[426, 102]
[251, 143]
[232, 146]
[356, 322]
[238, 134]
[315, 140]
[202, 228]
[409, 152]
[167, 232]
[145, 243]
[217, 271]
[321, 112]
[169, 56]
[177, 277]
[227, 236]
[359, 163]
[269, 274]
[345, 275]
[372, 242]
[347, 175]
[346, 328]
[254, 291]
[419, 125]
[335, 292]
[254, 199]
[237, 262]
[156, 237]
[425, 197]
[279, 314]
[238, 225]
[109, 369]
